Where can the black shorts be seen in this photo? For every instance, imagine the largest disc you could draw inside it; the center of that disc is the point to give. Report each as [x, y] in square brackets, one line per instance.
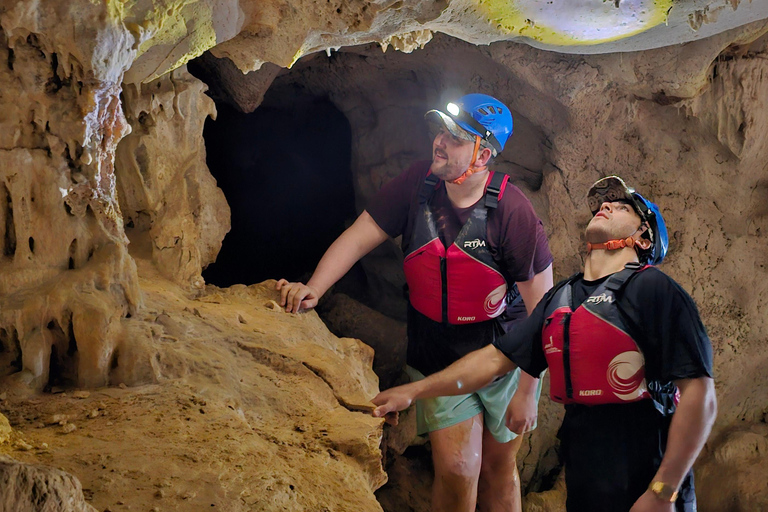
[611, 454]
[432, 346]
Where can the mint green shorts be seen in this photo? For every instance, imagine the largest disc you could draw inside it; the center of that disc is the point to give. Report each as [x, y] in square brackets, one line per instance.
[445, 411]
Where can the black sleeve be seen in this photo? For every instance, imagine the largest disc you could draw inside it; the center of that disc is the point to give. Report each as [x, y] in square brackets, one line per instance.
[522, 344]
[673, 339]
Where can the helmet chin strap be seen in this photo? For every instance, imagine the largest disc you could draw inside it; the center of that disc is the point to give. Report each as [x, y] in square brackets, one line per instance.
[472, 170]
[620, 243]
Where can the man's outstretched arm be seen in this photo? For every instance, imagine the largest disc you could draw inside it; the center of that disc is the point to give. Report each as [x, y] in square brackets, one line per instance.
[470, 373]
[688, 432]
[523, 408]
[358, 240]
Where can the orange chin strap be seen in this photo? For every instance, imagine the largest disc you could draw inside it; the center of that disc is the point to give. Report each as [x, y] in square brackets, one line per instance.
[472, 170]
[621, 243]
[611, 245]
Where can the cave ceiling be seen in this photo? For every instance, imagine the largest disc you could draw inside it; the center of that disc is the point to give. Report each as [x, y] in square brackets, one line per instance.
[140, 40]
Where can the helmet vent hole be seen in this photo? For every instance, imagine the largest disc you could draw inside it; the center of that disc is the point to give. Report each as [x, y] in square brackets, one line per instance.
[483, 111]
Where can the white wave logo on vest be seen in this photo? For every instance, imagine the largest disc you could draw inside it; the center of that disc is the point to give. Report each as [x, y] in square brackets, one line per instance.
[495, 300]
[625, 375]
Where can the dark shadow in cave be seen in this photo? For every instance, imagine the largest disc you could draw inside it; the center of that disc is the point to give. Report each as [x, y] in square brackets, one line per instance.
[285, 171]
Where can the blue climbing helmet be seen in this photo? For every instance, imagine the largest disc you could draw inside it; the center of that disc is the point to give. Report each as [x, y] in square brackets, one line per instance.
[613, 188]
[476, 114]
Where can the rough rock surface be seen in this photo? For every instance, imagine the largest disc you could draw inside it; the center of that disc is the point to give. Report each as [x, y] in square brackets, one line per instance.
[387, 337]
[30, 488]
[65, 272]
[732, 472]
[169, 196]
[253, 409]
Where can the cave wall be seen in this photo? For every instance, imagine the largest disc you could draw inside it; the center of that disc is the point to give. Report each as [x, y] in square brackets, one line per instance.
[78, 310]
[170, 202]
[65, 270]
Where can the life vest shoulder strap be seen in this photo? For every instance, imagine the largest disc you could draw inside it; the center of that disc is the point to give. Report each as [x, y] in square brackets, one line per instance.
[618, 280]
[428, 188]
[495, 189]
[563, 297]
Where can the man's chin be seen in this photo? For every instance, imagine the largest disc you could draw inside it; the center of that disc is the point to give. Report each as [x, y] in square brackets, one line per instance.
[437, 168]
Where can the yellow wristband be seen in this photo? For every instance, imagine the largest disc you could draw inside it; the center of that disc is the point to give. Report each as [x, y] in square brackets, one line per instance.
[663, 491]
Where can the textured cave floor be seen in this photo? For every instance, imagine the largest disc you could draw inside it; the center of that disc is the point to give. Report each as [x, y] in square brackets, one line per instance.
[245, 414]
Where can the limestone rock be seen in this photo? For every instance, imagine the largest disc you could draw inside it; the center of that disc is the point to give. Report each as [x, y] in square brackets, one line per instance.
[5, 430]
[253, 409]
[65, 261]
[552, 500]
[347, 317]
[169, 199]
[731, 473]
[31, 488]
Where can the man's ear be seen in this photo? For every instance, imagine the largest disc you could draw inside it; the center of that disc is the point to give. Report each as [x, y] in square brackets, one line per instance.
[643, 243]
[483, 157]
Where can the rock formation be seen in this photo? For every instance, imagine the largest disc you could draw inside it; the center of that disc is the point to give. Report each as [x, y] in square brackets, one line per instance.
[108, 215]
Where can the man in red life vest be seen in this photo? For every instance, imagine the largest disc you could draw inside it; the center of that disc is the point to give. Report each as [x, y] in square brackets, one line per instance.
[471, 241]
[628, 356]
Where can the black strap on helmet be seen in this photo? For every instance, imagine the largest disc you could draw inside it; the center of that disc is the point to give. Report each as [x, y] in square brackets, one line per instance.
[487, 136]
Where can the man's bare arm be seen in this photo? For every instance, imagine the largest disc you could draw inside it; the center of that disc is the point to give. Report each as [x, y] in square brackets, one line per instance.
[534, 289]
[470, 373]
[690, 428]
[354, 243]
[522, 411]
[688, 432]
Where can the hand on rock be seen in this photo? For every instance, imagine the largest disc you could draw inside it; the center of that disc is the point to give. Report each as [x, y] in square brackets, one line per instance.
[296, 296]
[391, 401]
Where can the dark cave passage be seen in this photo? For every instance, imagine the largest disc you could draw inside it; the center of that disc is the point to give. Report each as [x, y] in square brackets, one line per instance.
[285, 171]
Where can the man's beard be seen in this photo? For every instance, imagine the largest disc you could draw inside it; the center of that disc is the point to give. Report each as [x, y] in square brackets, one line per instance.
[448, 170]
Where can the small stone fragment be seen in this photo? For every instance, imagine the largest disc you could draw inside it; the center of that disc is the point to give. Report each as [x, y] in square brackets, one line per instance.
[81, 394]
[68, 428]
[94, 413]
[5, 429]
[22, 445]
[56, 418]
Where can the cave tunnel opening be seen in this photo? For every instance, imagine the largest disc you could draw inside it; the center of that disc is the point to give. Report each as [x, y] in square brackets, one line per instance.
[286, 174]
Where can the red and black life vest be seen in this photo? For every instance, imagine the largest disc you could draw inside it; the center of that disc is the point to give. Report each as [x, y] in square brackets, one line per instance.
[461, 284]
[592, 358]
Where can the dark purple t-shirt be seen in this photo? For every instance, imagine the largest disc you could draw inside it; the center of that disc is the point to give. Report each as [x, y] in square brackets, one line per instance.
[516, 236]
[516, 241]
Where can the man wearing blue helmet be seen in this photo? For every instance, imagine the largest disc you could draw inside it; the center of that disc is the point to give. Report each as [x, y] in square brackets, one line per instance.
[628, 357]
[476, 261]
